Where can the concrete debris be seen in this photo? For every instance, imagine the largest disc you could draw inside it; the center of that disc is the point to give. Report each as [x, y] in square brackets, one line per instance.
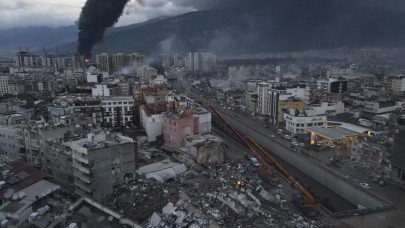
[204, 196]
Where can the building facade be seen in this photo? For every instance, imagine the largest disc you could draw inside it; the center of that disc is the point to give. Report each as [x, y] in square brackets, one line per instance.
[398, 152]
[296, 122]
[117, 111]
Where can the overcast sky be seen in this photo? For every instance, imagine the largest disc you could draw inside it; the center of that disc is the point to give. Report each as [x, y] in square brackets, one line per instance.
[21, 13]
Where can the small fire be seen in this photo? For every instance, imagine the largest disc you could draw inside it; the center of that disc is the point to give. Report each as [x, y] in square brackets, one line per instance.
[87, 60]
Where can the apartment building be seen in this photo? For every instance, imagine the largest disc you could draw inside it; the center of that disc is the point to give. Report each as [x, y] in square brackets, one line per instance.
[151, 116]
[4, 89]
[297, 122]
[100, 161]
[117, 111]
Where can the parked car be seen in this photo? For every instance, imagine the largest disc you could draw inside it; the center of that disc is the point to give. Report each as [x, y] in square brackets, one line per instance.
[272, 136]
[382, 183]
[365, 186]
[279, 131]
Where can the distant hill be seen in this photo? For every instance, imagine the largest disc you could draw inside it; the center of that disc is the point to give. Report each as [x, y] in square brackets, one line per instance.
[262, 26]
[35, 38]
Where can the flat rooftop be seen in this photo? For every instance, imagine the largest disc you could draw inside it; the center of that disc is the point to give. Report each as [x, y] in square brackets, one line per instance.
[335, 133]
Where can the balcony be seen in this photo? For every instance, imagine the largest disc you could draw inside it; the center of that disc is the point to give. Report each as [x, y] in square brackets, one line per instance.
[82, 177]
[81, 159]
[81, 168]
[82, 186]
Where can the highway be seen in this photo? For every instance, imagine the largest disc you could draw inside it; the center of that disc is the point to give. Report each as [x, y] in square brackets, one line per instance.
[391, 192]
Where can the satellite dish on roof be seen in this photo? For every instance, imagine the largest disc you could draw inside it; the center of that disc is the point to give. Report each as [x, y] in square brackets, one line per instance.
[14, 197]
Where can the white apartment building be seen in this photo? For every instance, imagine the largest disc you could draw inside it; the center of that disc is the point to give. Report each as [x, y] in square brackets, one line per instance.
[296, 122]
[4, 85]
[378, 107]
[11, 141]
[104, 90]
[325, 108]
[204, 120]
[263, 89]
[151, 116]
[117, 111]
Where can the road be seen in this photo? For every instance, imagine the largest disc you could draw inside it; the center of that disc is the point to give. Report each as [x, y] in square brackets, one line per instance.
[393, 193]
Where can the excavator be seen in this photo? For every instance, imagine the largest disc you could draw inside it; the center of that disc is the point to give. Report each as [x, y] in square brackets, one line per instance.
[301, 196]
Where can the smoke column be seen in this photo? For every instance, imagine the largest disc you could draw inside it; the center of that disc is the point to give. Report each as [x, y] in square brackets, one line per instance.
[95, 18]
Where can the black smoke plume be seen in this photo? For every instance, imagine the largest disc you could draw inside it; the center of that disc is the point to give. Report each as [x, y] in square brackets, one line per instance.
[95, 18]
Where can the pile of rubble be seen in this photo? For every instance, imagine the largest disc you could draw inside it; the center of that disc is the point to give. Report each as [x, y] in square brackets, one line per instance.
[228, 195]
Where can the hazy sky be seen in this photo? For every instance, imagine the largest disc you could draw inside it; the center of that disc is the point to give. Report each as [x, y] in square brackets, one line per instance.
[20, 13]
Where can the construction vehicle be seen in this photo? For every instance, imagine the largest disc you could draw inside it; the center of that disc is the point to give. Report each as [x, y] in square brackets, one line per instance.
[302, 197]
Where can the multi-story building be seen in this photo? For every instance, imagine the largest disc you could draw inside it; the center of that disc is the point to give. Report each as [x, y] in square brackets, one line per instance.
[297, 122]
[123, 89]
[281, 94]
[396, 85]
[90, 109]
[251, 99]
[117, 111]
[104, 90]
[200, 61]
[378, 107]
[56, 110]
[332, 86]
[26, 59]
[176, 126]
[147, 73]
[16, 87]
[100, 161]
[398, 152]
[119, 61]
[103, 61]
[11, 142]
[4, 89]
[325, 108]
[286, 105]
[263, 89]
[151, 116]
[155, 95]
[328, 97]
[184, 120]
